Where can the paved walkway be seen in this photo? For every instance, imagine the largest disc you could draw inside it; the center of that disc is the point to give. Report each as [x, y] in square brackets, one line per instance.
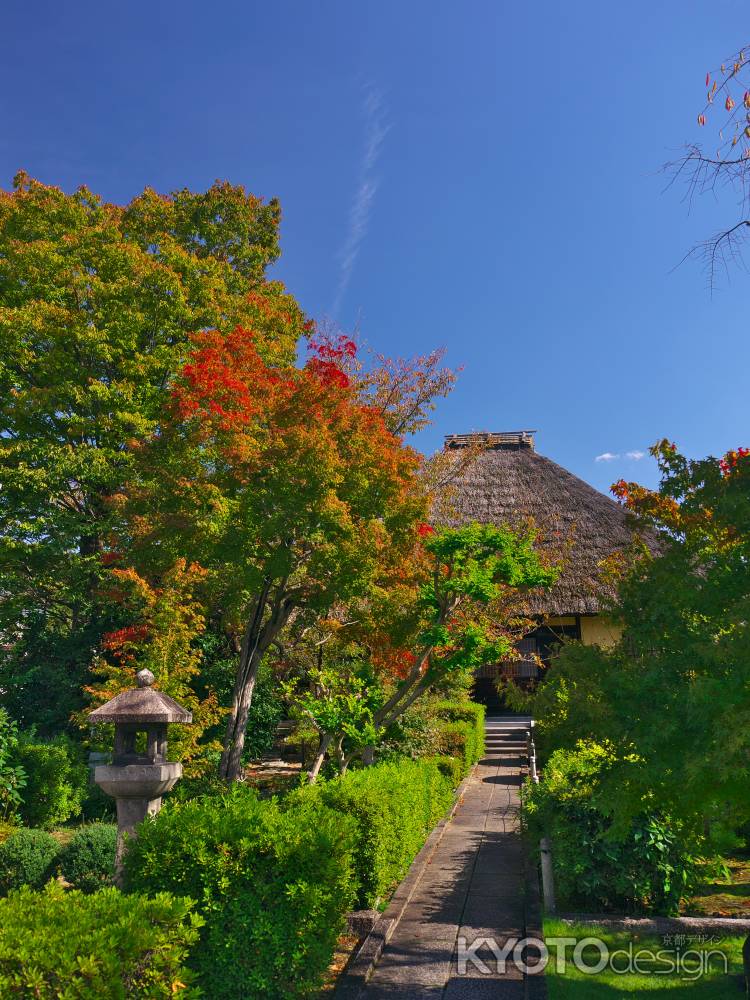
[473, 888]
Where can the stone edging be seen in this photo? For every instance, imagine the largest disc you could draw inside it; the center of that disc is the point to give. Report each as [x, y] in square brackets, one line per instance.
[734, 926]
[535, 986]
[355, 977]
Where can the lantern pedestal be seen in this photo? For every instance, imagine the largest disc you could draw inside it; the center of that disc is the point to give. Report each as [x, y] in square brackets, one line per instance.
[137, 789]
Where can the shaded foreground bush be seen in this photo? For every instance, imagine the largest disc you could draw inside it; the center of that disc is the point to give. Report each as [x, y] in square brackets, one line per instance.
[394, 806]
[273, 886]
[59, 943]
[27, 857]
[647, 867]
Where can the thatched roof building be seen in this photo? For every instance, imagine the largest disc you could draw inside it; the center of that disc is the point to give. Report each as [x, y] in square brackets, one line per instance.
[505, 480]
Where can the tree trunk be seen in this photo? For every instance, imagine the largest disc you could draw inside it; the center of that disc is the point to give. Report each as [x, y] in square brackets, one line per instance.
[230, 768]
[258, 637]
[413, 677]
[325, 742]
[368, 756]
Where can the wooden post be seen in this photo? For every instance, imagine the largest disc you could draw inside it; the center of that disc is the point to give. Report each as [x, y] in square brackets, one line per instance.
[548, 879]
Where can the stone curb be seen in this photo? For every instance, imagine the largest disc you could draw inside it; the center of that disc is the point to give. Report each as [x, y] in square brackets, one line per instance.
[661, 925]
[361, 967]
[534, 986]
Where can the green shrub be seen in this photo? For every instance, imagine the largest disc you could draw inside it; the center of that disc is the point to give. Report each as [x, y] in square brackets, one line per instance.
[451, 767]
[458, 739]
[56, 780]
[419, 733]
[470, 713]
[57, 944]
[647, 867]
[415, 734]
[88, 861]
[273, 887]
[27, 857]
[395, 805]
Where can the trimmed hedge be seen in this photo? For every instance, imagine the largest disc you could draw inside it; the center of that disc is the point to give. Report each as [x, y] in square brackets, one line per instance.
[394, 805]
[275, 879]
[88, 861]
[451, 767]
[472, 715]
[27, 857]
[58, 943]
[273, 887]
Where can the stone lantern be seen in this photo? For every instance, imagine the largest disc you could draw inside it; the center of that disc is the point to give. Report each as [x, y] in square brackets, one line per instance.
[139, 773]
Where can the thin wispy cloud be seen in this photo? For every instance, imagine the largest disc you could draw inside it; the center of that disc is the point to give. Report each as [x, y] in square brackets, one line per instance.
[376, 129]
[610, 456]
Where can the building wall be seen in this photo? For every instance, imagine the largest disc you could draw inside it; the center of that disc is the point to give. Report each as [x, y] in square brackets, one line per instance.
[598, 630]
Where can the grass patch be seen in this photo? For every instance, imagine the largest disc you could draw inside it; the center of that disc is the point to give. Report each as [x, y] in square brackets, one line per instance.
[712, 984]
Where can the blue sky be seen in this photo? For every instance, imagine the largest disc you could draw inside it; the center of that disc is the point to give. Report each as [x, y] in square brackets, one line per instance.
[482, 176]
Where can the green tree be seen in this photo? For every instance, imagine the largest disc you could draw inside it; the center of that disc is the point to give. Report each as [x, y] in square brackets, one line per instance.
[674, 693]
[96, 304]
[455, 611]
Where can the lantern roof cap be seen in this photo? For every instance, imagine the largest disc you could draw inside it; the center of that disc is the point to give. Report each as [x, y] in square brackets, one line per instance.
[141, 705]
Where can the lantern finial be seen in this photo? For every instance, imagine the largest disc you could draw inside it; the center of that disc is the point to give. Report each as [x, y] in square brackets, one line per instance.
[144, 678]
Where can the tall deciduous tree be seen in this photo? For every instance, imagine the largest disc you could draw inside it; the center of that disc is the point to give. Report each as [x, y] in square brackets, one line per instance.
[282, 483]
[96, 305]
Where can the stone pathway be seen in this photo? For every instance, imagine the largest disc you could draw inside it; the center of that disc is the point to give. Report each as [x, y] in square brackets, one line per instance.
[473, 887]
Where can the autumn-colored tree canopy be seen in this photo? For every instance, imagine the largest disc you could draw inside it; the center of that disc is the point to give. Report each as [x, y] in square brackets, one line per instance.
[175, 481]
[97, 303]
[283, 483]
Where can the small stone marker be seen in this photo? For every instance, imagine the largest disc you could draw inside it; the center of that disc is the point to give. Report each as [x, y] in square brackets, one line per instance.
[137, 779]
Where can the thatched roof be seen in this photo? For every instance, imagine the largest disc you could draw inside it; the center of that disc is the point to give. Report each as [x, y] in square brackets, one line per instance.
[508, 481]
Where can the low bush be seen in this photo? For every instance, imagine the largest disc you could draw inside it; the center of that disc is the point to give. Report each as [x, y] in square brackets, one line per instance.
[647, 867]
[66, 944]
[88, 861]
[27, 857]
[56, 780]
[464, 711]
[394, 805]
[273, 886]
